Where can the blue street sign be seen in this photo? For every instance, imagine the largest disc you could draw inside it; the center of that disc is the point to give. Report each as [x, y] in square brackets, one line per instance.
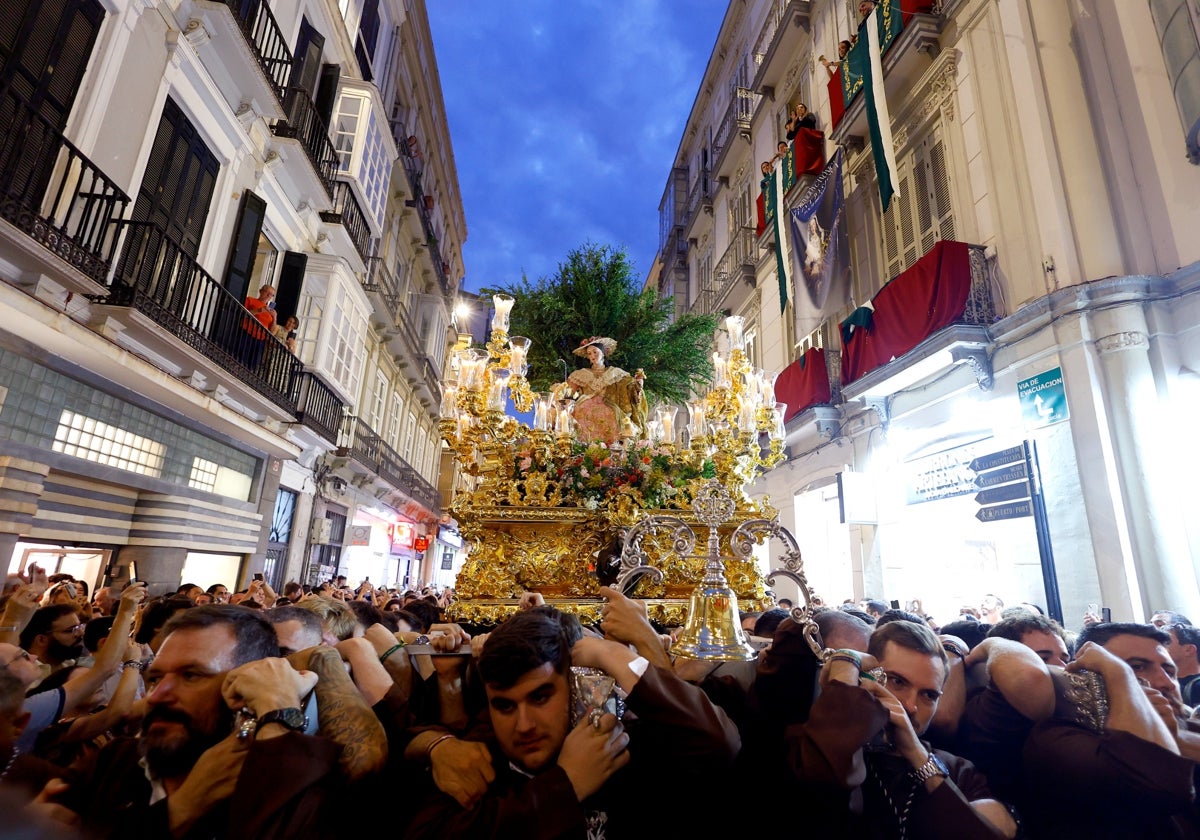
[1004, 476]
[1043, 399]
[1013, 510]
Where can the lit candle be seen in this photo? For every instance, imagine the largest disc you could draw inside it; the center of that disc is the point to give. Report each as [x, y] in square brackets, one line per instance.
[498, 388]
[778, 429]
[720, 372]
[463, 424]
[666, 419]
[697, 418]
[519, 351]
[449, 401]
[503, 305]
[746, 417]
[767, 385]
[562, 420]
[471, 376]
[735, 325]
[541, 412]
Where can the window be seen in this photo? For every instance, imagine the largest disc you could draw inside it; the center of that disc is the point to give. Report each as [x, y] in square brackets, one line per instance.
[379, 400]
[920, 213]
[358, 141]
[348, 342]
[410, 432]
[345, 129]
[102, 443]
[204, 474]
[392, 435]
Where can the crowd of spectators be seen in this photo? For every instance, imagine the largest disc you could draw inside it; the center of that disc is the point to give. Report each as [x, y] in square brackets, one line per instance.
[211, 713]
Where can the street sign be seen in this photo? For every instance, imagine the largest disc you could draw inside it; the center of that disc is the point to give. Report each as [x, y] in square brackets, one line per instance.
[1003, 493]
[1012, 455]
[1004, 476]
[1043, 399]
[1013, 510]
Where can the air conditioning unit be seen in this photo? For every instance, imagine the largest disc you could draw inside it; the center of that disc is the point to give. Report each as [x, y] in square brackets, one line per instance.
[320, 530]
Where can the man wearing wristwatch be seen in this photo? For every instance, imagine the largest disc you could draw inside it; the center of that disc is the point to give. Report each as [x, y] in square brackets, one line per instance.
[863, 767]
[221, 744]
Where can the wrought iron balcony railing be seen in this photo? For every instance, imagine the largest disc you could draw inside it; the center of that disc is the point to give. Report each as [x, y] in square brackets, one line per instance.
[318, 407]
[739, 262]
[161, 280]
[362, 443]
[349, 215]
[266, 40]
[736, 122]
[380, 279]
[699, 196]
[303, 123]
[52, 192]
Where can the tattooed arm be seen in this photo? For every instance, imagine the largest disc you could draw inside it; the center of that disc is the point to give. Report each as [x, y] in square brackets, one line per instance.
[345, 717]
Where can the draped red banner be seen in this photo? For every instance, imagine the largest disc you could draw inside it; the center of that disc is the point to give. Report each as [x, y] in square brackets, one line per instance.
[804, 383]
[913, 306]
[808, 151]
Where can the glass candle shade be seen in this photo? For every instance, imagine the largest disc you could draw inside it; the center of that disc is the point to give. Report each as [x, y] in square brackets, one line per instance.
[519, 352]
[498, 389]
[766, 381]
[450, 401]
[778, 430]
[735, 325]
[666, 420]
[503, 305]
[543, 410]
[564, 420]
[698, 418]
[471, 376]
[720, 371]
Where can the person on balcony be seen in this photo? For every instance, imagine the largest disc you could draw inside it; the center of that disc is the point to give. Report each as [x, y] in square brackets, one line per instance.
[801, 118]
[610, 404]
[286, 332]
[259, 327]
[832, 66]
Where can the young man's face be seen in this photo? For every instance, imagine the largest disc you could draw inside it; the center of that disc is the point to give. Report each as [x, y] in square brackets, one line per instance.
[916, 679]
[1049, 647]
[1149, 661]
[531, 717]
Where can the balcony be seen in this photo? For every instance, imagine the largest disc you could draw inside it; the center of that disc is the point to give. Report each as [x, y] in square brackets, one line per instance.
[165, 285]
[55, 198]
[779, 40]
[304, 125]
[926, 320]
[347, 213]
[736, 123]
[360, 442]
[380, 280]
[699, 198]
[244, 51]
[318, 407]
[739, 262]
[909, 47]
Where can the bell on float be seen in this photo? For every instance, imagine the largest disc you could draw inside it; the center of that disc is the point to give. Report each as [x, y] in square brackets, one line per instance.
[714, 629]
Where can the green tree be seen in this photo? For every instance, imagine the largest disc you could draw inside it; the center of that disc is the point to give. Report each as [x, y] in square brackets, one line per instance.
[596, 293]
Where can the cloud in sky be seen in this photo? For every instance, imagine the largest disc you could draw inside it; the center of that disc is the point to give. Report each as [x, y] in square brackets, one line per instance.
[565, 118]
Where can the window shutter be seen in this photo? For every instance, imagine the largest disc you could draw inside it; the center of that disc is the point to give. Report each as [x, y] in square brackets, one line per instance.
[245, 246]
[289, 285]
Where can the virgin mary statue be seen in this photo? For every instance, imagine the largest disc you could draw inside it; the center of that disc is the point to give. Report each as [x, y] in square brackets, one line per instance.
[610, 404]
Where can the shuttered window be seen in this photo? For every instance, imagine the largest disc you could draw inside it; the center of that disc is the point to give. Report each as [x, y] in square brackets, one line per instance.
[920, 213]
[178, 185]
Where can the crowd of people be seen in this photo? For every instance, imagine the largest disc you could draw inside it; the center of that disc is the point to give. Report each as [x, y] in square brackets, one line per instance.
[211, 713]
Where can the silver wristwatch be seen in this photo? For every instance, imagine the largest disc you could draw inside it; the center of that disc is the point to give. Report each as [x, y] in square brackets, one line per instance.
[933, 766]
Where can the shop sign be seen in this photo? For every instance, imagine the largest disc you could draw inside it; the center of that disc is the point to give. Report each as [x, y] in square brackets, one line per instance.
[358, 535]
[941, 476]
[1043, 399]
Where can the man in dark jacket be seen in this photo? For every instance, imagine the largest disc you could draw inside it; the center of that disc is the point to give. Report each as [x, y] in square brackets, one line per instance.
[557, 780]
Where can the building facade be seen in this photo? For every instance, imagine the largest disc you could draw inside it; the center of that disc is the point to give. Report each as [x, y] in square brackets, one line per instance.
[1058, 142]
[160, 163]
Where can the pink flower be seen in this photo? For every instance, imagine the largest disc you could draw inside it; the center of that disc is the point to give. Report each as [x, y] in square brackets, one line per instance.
[525, 464]
[583, 473]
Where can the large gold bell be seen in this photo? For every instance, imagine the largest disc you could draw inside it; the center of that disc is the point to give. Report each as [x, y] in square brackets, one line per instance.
[713, 630]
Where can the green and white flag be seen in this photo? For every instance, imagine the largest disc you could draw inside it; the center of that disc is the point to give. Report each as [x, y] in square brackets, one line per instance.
[879, 121]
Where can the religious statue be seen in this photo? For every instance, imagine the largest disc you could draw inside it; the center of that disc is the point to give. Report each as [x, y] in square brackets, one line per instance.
[610, 404]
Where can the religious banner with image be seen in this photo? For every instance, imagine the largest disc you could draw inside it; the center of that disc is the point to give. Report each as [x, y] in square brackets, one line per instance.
[820, 250]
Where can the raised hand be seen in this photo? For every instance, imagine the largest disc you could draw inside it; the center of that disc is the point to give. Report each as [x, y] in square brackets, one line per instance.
[591, 754]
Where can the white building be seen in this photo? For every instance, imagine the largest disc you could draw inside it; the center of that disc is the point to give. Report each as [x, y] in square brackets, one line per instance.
[1047, 136]
[159, 163]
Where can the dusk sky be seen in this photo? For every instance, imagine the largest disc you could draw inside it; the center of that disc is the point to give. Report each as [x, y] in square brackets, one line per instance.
[565, 118]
